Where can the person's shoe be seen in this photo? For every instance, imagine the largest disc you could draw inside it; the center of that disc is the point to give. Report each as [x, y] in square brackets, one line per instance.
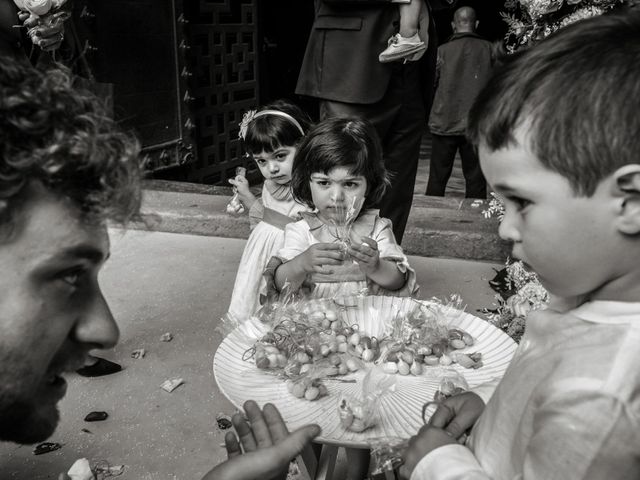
[100, 368]
[400, 47]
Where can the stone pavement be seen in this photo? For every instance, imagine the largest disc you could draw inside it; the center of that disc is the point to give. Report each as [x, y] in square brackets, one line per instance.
[161, 282]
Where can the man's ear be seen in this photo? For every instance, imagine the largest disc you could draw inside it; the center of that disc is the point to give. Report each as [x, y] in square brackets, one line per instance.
[627, 182]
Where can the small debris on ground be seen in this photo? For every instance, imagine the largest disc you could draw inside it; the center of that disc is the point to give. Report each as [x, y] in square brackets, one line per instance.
[171, 385]
[86, 430]
[138, 353]
[81, 470]
[46, 447]
[106, 470]
[96, 416]
[166, 337]
[224, 421]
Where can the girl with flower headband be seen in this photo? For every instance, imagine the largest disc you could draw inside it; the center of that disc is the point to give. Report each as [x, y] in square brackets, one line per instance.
[270, 138]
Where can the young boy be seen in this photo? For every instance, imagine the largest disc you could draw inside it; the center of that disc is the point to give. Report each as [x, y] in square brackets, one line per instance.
[558, 130]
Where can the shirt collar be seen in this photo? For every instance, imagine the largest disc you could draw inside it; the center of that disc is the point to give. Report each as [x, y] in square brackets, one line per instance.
[604, 311]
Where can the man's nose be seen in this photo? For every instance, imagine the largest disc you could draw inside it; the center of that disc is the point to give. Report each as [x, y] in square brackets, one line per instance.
[96, 325]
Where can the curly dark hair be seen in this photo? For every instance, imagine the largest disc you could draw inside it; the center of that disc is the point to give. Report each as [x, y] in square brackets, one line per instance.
[349, 142]
[62, 138]
[270, 132]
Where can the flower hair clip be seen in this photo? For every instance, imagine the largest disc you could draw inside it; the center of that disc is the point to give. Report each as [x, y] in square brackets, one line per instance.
[244, 124]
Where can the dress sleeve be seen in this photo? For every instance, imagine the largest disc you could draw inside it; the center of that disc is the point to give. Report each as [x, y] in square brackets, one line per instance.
[296, 241]
[390, 250]
[256, 212]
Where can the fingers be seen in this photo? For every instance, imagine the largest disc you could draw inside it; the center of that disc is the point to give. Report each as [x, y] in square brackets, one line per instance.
[244, 432]
[441, 417]
[232, 445]
[275, 423]
[371, 242]
[258, 425]
[296, 441]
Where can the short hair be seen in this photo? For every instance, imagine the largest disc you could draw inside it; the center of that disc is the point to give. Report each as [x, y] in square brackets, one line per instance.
[269, 132]
[465, 16]
[348, 142]
[62, 138]
[577, 92]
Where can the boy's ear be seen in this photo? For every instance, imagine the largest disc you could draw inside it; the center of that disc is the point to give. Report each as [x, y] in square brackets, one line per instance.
[627, 181]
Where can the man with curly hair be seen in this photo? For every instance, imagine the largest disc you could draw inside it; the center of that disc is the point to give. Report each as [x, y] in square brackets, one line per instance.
[64, 172]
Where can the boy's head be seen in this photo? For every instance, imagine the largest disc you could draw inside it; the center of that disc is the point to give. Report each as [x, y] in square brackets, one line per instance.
[557, 132]
[64, 171]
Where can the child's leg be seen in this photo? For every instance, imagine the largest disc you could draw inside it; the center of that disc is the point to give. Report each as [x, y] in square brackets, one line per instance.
[409, 14]
[357, 463]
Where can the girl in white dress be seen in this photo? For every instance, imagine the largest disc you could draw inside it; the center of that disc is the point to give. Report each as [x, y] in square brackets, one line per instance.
[270, 137]
[339, 172]
[339, 169]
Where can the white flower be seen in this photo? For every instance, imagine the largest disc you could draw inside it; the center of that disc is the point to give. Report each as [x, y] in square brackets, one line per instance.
[39, 7]
[244, 124]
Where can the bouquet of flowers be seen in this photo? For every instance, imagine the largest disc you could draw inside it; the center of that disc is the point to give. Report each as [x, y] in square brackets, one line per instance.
[532, 20]
[41, 13]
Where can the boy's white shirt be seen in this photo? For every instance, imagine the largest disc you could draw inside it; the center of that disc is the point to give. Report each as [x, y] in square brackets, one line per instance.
[615, 387]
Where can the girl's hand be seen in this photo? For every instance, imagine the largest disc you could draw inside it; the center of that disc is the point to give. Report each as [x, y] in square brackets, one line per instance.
[314, 259]
[366, 255]
[241, 187]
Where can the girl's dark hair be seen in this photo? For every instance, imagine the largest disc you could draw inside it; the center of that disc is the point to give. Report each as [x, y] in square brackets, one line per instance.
[270, 132]
[577, 92]
[349, 142]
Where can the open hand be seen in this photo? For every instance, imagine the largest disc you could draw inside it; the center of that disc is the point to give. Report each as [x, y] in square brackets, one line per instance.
[366, 255]
[317, 256]
[267, 444]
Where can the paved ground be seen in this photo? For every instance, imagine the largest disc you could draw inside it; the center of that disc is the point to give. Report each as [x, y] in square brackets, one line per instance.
[161, 282]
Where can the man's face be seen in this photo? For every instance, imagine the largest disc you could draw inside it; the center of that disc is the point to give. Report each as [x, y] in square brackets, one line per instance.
[568, 240]
[52, 311]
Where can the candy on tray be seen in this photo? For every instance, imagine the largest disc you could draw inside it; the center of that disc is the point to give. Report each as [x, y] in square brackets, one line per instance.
[357, 413]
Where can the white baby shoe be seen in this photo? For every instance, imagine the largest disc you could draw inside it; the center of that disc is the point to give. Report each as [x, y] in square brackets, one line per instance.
[399, 47]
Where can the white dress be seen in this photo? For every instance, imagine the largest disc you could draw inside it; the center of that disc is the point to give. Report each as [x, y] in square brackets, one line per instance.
[275, 209]
[347, 278]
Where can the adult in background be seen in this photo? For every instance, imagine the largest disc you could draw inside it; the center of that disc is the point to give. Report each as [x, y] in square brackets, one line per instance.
[342, 70]
[463, 66]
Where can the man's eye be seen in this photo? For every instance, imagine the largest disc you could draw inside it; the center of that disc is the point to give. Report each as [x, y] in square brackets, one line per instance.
[72, 277]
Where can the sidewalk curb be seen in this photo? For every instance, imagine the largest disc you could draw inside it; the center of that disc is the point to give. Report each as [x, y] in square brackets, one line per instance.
[438, 227]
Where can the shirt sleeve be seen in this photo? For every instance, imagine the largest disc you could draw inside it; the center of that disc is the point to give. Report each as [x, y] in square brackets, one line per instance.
[390, 250]
[578, 434]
